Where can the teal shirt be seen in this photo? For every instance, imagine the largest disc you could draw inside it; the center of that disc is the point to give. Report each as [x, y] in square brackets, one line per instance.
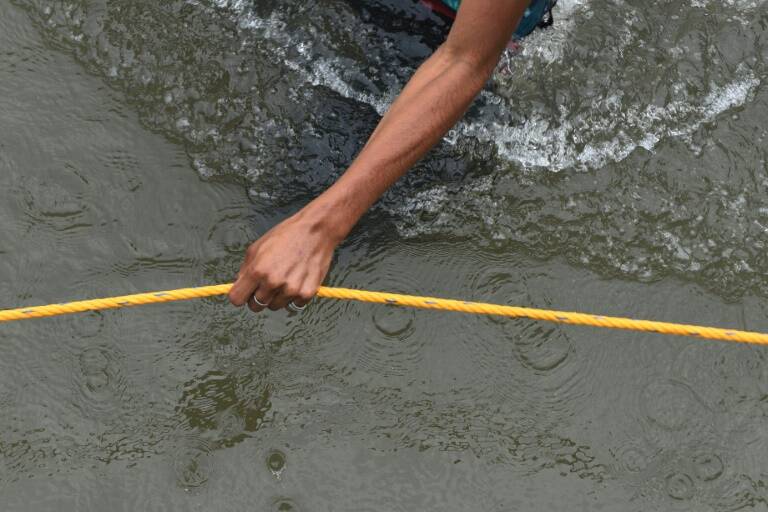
[533, 15]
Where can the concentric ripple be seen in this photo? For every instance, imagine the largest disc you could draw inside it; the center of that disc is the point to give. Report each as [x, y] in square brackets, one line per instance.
[668, 405]
[192, 465]
[389, 348]
[100, 386]
[680, 486]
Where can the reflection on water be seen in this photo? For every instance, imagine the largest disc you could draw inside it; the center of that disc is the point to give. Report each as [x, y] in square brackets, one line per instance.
[616, 166]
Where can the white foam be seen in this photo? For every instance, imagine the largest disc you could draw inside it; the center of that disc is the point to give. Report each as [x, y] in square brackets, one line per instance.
[324, 72]
[548, 45]
[610, 132]
[740, 4]
[535, 143]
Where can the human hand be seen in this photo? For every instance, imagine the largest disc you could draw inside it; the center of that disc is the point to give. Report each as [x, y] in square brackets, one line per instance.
[287, 264]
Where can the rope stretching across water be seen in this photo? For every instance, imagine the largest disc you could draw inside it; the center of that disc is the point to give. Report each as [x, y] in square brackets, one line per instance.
[563, 317]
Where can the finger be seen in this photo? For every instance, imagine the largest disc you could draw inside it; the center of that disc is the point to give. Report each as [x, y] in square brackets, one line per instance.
[254, 306]
[247, 280]
[262, 295]
[243, 288]
[305, 296]
[294, 306]
[298, 302]
[279, 301]
[292, 292]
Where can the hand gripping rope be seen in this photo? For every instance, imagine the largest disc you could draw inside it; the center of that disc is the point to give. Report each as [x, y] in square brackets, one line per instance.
[479, 308]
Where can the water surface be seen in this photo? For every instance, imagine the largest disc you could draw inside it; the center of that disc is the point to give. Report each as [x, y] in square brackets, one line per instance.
[618, 165]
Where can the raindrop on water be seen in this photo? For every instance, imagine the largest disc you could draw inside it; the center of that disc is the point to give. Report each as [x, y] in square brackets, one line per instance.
[680, 486]
[285, 505]
[668, 405]
[192, 468]
[392, 321]
[708, 466]
[276, 462]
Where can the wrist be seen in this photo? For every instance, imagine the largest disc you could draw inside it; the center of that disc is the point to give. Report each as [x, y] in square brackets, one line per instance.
[328, 218]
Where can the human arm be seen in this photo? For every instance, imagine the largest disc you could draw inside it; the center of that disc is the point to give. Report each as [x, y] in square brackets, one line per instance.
[291, 260]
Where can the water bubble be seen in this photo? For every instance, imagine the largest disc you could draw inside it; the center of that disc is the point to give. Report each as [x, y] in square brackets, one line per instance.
[276, 462]
[680, 486]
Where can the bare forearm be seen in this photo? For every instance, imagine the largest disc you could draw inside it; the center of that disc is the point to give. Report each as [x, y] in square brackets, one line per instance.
[431, 103]
[287, 264]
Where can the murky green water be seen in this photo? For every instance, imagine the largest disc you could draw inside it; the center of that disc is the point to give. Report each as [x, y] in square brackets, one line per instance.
[617, 166]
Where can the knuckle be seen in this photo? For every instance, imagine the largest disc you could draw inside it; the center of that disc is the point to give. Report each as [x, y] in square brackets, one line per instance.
[234, 300]
[271, 281]
[307, 292]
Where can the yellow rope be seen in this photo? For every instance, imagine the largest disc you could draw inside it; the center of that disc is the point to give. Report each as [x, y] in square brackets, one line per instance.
[563, 317]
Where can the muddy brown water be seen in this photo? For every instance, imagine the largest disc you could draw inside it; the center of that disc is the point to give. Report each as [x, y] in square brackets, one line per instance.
[618, 166]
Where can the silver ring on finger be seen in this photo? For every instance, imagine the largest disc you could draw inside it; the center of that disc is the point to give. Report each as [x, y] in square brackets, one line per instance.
[296, 309]
[258, 302]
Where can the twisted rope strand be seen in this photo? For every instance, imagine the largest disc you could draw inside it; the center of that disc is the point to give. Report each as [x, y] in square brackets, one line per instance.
[563, 317]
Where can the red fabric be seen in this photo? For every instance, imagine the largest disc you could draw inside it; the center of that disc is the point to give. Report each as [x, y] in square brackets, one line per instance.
[440, 8]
